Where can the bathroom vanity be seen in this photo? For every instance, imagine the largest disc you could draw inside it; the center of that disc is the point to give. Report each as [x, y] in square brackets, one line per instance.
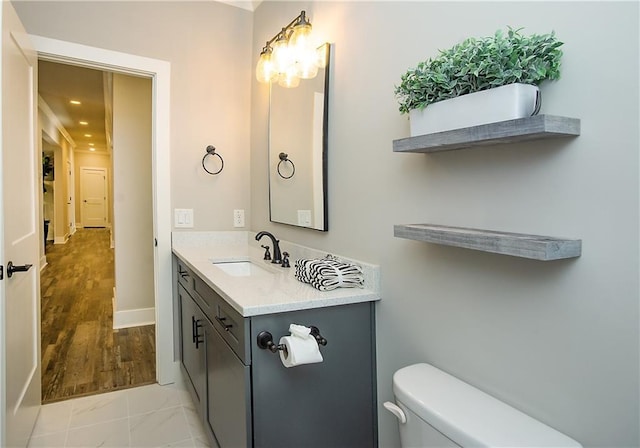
[244, 394]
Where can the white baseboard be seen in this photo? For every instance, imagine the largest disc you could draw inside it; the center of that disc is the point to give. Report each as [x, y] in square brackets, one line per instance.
[134, 318]
[43, 262]
[61, 239]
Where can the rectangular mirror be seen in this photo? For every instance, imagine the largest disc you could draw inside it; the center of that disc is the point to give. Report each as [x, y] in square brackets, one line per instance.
[298, 123]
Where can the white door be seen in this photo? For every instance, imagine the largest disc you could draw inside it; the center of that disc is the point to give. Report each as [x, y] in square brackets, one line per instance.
[93, 194]
[19, 293]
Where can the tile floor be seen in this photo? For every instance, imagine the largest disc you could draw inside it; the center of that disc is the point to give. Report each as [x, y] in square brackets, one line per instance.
[147, 416]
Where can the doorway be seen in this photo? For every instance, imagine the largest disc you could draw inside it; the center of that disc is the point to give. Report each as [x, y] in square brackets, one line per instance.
[86, 285]
[159, 72]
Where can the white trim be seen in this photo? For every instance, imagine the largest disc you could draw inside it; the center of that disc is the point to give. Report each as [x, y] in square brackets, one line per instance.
[133, 318]
[160, 72]
[43, 262]
[61, 239]
[46, 110]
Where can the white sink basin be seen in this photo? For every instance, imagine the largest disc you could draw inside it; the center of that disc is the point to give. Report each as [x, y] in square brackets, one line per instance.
[241, 269]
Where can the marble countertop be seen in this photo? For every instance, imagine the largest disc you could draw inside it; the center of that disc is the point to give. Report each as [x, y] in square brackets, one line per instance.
[274, 292]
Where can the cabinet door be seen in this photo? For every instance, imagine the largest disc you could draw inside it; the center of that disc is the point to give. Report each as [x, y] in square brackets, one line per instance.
[228, 394]
[328, 404]
[192, 345]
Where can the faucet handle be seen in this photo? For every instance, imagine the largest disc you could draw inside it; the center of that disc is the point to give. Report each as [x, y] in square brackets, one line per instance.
[285, 260]
[267, 254]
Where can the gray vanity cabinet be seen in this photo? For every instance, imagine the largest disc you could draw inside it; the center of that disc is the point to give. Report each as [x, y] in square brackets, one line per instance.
[248, 398]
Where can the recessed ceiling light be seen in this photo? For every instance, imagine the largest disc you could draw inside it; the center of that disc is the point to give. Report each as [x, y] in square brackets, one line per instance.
[76, 102]
[88, 135]
[84, 123]
[92, 149]
[91, 144]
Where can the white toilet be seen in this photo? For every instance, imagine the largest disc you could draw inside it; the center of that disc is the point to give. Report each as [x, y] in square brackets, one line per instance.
[435, 409]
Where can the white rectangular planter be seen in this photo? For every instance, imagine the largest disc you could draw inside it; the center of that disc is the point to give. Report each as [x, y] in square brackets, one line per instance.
[488, 106]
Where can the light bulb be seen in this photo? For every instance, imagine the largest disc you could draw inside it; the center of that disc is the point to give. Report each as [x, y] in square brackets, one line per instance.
[281, 53]
[265, 70]
[301, 36]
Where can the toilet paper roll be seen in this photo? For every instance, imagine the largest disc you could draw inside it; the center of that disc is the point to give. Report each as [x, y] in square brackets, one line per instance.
[299, 351]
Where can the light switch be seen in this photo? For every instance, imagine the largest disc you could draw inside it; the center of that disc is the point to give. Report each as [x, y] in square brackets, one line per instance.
[183, 217]
[304, 218]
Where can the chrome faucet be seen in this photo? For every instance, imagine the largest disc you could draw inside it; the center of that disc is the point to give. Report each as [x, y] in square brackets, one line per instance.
[277, 256]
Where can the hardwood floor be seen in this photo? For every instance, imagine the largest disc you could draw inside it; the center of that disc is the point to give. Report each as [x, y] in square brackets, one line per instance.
[81, 352]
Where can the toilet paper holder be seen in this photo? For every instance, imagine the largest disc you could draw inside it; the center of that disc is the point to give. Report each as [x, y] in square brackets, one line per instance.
[265, 340]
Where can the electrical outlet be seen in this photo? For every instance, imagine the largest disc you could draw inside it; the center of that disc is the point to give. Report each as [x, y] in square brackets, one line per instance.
[238, 218]
[183, 217]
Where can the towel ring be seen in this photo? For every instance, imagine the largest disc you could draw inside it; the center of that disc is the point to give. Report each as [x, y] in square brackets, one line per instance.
[211, 151]
[284, 157]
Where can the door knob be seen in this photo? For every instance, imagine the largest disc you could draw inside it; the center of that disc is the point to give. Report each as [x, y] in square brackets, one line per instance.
[11, 268]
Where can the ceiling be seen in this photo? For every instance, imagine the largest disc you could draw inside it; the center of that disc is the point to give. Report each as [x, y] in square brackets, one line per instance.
[58, 84]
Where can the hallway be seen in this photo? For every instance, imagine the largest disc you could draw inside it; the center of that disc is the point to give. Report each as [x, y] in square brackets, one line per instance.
[81, 353]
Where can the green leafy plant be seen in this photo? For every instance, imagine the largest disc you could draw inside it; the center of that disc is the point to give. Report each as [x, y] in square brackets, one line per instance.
[479, 64]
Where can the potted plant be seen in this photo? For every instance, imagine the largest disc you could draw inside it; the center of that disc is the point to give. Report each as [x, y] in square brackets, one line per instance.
[484, 80]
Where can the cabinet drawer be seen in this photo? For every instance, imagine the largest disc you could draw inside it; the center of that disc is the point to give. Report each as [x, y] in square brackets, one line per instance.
[205, 296]
[233, 328]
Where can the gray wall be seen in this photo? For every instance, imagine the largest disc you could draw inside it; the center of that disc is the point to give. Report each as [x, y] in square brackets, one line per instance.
[557, 340]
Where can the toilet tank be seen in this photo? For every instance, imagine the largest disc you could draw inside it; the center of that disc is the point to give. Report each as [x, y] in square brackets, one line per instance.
[441, 410]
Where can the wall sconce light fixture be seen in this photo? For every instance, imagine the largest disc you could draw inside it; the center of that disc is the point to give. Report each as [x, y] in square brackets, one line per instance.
[290, 55]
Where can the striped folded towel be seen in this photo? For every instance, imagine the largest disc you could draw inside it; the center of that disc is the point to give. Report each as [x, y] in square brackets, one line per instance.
[329, 273]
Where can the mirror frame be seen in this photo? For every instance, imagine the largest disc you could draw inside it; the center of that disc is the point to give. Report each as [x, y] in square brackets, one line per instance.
[273, 153]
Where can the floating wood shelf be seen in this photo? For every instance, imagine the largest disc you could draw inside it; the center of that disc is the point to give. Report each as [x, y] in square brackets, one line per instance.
[535, 247]
[510, 131]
